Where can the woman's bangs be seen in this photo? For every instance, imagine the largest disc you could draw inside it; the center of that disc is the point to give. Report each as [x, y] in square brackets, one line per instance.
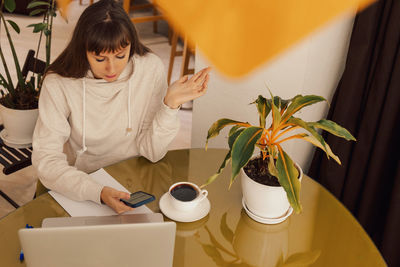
[107, 38]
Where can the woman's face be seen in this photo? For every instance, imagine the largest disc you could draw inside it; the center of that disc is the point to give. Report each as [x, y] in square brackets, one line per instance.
[108, 65]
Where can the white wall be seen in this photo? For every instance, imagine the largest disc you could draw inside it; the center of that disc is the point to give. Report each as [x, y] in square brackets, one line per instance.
[312, 66]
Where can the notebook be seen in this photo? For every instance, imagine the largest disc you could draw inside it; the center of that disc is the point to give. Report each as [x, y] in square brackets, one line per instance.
[136, 244]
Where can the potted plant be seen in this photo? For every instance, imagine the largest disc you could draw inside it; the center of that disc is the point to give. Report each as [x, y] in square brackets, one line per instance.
[19, 96]
[271, 181]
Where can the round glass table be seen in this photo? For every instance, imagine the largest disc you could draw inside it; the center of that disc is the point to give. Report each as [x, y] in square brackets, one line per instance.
[324, 234]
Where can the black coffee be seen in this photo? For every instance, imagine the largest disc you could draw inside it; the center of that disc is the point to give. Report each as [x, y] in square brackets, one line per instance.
[184, 192]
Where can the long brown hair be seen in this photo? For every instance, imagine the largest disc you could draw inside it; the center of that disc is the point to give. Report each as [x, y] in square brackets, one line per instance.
[103, 27]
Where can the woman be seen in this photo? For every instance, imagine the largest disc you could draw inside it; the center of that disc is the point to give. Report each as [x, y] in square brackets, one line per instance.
[105, 99]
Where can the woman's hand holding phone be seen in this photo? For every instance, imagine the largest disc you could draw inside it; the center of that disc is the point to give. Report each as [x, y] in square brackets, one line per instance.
[111, 197]
[138, 199]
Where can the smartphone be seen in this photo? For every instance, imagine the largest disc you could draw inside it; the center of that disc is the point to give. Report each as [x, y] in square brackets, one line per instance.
[138, 199]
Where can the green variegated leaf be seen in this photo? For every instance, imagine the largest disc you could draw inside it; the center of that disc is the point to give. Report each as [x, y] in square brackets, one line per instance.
[283, 102]
[10, 5]
[272, 168]
[300, 102]
[276, 115]
[288, 178]
[327, 149]
[271, 151]
[243, 149]
[221, 168]
[310, 129]
[14, 26]
[279, 102]
[232, 138]
[333, 128]
[298, 136]
[219, 125]
[234, 129]
[37, 3]
[263, 108]
[225, 230]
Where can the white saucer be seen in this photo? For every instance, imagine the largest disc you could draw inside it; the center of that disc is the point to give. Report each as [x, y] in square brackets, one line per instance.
[264, 219]
[14, 143]
[201, 210]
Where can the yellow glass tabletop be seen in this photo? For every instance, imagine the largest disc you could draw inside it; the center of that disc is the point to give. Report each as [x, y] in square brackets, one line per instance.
[324, 234]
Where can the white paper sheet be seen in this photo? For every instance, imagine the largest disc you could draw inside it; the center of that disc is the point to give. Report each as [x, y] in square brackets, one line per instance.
[89, 208]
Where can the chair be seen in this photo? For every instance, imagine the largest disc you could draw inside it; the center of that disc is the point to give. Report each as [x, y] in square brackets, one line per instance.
[14, 159]
[32, 64]
[186, 53]
[130, 8]
[9, 200]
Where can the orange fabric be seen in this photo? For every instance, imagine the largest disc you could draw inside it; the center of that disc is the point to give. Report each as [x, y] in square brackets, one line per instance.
[63, 6]
[237, 36]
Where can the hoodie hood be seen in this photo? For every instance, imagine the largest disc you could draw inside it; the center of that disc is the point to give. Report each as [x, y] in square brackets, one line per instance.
[106, 90]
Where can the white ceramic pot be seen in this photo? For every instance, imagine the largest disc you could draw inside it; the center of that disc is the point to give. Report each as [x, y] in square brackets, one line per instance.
[18, 126]
[265, 201]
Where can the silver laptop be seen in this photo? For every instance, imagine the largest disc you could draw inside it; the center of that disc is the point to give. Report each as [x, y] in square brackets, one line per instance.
[102, 220]
[136, 244]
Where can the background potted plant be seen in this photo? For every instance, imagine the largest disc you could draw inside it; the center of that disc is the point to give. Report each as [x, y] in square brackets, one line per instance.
[19, 95]
[271, 181]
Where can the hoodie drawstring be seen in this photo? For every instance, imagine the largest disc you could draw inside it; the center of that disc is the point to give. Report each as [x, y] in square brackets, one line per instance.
[84, 148]
[129, 129]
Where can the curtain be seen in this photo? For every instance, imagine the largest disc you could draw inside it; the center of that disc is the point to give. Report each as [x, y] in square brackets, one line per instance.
[367, 103]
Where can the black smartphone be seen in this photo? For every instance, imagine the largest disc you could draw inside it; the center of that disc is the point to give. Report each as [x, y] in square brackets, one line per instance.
[138, 199]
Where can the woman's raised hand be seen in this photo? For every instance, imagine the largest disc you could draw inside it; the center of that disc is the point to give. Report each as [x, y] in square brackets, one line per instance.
[185, 89]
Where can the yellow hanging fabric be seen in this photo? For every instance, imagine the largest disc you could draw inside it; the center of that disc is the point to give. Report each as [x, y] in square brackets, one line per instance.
[237, 36]
[63, 6]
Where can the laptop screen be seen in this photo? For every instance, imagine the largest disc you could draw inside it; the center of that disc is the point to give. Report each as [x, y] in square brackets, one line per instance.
[137, 244]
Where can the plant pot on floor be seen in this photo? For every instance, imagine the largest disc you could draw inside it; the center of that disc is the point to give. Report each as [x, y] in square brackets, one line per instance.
[263, 203]
[18, 126]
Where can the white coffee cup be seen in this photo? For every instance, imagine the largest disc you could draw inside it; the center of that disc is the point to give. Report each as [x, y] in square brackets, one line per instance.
[185, 196]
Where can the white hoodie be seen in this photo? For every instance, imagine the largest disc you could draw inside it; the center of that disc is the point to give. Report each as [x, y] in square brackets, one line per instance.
[85, 124]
